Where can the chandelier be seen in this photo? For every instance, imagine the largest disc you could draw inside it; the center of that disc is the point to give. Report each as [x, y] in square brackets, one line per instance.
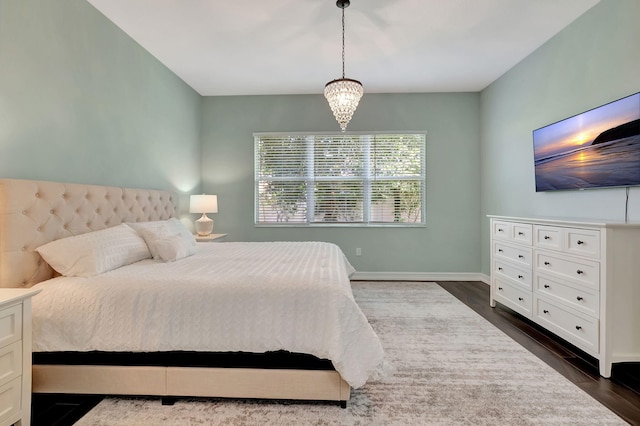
[343, 94]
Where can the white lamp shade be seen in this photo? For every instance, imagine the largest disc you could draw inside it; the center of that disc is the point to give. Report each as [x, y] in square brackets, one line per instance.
[203, 204]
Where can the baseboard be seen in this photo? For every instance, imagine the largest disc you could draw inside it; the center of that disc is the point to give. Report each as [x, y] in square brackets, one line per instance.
[420, 276]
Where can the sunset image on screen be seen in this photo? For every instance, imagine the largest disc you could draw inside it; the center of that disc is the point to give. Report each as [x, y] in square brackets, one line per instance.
[600, 147]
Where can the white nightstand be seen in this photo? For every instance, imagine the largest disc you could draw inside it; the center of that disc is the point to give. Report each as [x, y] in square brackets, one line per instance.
[15, 355]
[212, 238]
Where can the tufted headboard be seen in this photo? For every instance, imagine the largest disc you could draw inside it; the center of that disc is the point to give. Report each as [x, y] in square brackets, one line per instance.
[33, 213]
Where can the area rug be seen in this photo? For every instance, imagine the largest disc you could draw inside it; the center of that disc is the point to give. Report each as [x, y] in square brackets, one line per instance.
[451, 367]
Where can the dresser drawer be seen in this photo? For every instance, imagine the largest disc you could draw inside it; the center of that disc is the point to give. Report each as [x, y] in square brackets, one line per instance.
[517, 232]
[520, 276]
[502, 230]
[580, 271]
[519, 254]
[580, 298]
[10, 397]
[547, 237]
[522, 232]
[10, 325]
[579, 329]
[514, 297]
[10, 362]
[583, 242]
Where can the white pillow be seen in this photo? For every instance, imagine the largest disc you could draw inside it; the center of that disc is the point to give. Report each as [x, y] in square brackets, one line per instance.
[173, 248]
[95, 252]
[153, 231]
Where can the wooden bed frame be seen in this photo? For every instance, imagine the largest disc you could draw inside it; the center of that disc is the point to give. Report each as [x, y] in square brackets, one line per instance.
[33, 213]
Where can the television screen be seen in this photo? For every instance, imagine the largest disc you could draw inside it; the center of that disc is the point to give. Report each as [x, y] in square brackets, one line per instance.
[598, 148]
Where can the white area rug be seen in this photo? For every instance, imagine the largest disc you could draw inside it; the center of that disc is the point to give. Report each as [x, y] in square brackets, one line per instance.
[452, 367]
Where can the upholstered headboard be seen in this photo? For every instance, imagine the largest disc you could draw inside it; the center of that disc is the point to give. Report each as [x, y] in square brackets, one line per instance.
[33, 213]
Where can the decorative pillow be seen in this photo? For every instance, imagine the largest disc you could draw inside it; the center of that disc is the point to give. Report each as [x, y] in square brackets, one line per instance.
[95, 252]
[154, 231]
[173, 248]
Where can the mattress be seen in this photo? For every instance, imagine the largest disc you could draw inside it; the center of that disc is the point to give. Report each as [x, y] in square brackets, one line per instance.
[228, 297]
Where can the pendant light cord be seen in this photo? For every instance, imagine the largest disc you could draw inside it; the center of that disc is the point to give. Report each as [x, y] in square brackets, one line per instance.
[343, 42]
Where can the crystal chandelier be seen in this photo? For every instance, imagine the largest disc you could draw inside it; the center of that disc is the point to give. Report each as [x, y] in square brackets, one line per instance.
[343, 94]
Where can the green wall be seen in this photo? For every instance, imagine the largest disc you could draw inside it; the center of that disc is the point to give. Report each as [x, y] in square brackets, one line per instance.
[80, 101]
[593, 61]
[449, 242]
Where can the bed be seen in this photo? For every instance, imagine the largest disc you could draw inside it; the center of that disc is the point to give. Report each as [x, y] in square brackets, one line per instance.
[241, 320]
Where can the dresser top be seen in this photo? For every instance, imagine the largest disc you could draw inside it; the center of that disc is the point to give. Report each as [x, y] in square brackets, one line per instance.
[10, 295]
[596, 223]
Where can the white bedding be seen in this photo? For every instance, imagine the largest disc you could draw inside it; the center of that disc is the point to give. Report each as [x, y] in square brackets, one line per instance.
[251, 297]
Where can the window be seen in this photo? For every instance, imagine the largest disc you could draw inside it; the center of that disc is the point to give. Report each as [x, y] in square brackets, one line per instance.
[351, 179]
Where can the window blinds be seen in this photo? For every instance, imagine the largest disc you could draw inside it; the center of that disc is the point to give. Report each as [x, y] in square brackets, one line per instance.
[339, 179]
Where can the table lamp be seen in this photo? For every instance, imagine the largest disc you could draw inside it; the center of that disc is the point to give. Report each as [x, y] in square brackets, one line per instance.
[203, 204]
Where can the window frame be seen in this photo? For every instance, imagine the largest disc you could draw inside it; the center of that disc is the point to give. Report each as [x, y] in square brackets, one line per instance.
[365, 179]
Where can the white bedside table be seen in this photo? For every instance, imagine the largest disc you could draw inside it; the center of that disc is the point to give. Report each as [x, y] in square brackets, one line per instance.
[212, 238]
[15, 355]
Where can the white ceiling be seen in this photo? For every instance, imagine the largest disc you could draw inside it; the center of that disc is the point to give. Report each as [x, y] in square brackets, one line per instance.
[260, 47]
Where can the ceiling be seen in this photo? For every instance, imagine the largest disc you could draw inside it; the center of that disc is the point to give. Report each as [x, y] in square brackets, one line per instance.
[263, 47]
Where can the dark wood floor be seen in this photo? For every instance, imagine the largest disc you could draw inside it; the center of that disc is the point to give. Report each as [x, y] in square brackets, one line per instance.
[60, 410]
[621, 393]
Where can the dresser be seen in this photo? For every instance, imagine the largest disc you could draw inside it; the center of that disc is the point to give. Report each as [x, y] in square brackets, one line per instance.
[578, 279]
[15, 356]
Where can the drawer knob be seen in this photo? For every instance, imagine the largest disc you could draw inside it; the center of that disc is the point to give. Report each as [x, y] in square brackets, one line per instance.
[499, 268]
[520, 256]
[545, 311]
[520, 233]
[578, 328]
[546, 264]
[546, 237]
[520, 277]
[580, 298]
[521, 299]
[579, 272]
[500, 230]
[499, 250]
[580, 242]
[547, 286]
[500, 288]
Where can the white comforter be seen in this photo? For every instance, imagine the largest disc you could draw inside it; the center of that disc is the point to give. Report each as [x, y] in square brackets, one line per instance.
[251, 297]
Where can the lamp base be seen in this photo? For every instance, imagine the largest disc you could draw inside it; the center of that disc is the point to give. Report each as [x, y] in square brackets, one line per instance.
[204, 225]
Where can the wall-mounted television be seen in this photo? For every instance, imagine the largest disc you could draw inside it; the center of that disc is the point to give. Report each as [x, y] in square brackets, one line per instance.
[598, 148]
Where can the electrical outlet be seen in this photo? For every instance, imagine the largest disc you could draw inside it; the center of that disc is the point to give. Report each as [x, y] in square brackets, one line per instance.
[358, 251]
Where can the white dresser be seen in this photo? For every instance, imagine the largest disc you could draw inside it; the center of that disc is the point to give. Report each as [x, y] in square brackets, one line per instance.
[578, 279]
[15, 356]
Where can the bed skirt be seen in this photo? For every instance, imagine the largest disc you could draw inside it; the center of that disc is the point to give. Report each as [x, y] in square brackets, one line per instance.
[269, 360]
